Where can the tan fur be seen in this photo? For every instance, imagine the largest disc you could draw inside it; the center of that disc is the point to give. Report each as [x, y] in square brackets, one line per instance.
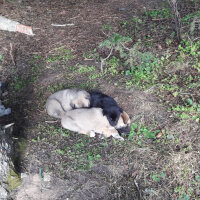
[90, 121]
[123, 121]
[64, 100]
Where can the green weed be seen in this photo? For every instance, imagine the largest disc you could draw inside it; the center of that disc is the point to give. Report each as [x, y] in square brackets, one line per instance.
[91, 55]
[13, 180]
[106, 27]
[157, 177]
[132, 26]
[95, 76]
[189, 17]
[19, 84]
[142, 67]
[82, 69]
[159, 14]
[63, 55]
[116, 42]
[112, 65]
[82, 158]
[190, 49]
[55, 87]
[189, 110]
[139, 132]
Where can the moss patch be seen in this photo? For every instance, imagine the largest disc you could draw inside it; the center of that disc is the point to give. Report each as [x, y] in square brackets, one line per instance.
[13, 180]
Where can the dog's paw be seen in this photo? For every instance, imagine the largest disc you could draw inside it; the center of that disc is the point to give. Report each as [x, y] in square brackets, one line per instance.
[92, 134]
[117, 136]
[101, 136]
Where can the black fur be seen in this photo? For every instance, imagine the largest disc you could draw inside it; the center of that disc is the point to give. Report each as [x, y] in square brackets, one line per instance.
[124, 130]
[110, 107]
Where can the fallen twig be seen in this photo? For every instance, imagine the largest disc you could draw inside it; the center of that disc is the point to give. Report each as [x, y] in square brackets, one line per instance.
[51, 122]
[137, 187]
[62, 25]
[11, 54]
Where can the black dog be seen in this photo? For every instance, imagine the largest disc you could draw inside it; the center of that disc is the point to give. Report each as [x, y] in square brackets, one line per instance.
[110, 107]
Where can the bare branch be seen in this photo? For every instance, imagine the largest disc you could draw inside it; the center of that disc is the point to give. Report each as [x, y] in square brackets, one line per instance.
[103, 60]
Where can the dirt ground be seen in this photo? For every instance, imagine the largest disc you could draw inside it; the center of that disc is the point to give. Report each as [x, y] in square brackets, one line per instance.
[58, 164]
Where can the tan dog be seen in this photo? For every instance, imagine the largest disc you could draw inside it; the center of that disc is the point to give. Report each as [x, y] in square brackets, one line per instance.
[91, 121]
[64, 100]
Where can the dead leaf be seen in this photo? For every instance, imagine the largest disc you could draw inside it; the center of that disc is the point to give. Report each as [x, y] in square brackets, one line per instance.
[159, 47]
[134, 173]
[159, 135]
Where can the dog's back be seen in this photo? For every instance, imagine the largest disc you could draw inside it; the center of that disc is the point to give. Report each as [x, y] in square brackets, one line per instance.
[87, 120]
[84, 120]
[110, 107]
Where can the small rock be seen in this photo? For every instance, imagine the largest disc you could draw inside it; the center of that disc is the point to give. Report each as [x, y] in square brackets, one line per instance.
[122, 9]
[149, 191]
[170, 137]
[23, 175]
[46, 177]
[3, 193]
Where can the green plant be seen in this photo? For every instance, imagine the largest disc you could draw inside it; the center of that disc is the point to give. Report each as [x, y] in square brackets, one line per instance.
[54, 88]
[13, 180]
[182, 193]
[142, 66]
[53, 58]
[197, 178]
[59, 151]
[189, 110]
[112, 64]
[114, 42]
[157, 177]
[95, 76]
[184, 197]
[84, 69]
[60, 54]
[147, 133]
[190, 49]
[84, 158]
[106, 27]
[141, 131]
[187, 19]
[159, 14]
[66, 54]
[19, 83]
[132, 26]
[91, 55]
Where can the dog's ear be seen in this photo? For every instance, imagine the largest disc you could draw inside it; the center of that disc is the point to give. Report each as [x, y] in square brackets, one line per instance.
[112, 117]
[125, 118]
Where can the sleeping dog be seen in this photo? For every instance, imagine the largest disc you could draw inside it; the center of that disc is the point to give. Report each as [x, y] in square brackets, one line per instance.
[109, 106]
[91, 120]
[64, 100]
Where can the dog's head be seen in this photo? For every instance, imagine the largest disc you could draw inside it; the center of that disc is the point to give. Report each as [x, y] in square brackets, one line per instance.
[82, 100]
[123, 121]
[113, 114]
